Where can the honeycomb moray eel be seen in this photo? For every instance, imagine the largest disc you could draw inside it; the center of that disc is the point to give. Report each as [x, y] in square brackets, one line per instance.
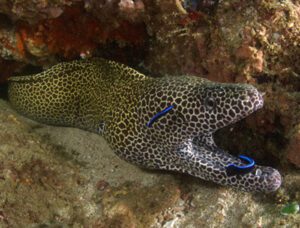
[117, 102]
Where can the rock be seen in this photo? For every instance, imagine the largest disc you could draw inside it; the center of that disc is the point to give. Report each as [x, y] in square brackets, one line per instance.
[293, 150]
[33, 11]
[41, 33]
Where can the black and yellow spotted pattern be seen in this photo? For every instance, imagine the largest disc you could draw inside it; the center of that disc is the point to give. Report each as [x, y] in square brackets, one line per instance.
[117, 102]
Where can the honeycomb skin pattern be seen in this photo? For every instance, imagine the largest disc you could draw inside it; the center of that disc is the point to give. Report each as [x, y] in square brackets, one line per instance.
[117, 102]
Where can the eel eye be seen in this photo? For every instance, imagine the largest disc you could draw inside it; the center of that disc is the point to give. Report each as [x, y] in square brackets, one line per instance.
[210, 103]
[245, 98]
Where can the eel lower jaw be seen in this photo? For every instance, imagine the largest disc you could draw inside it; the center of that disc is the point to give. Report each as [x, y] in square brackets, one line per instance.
[211, 163]
[269, 176]
[259, 179]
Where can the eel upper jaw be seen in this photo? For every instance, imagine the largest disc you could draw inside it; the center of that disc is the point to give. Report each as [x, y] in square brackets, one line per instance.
[258, 102]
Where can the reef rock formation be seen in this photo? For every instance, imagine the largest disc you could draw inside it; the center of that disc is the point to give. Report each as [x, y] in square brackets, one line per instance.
[255, 42]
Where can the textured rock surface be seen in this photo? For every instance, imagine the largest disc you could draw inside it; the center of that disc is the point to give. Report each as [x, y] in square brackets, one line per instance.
[33, 11]
[293, 149]
[68, 177]
[37, 31]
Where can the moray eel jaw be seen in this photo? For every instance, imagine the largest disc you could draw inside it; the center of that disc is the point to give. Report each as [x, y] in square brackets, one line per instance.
[261, 179]
[210, 164]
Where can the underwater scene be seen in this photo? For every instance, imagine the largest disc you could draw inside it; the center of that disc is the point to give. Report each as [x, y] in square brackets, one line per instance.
[150, 114]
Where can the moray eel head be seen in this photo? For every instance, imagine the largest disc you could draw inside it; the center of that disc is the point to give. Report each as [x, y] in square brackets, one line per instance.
[187, 114]
[201, 108]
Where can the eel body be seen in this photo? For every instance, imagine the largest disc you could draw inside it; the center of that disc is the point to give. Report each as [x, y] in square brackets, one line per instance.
[117, 102]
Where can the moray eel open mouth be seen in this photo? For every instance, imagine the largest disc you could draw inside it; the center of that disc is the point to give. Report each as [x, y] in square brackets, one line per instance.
[221, 105]
[158, 123]
[226, 169]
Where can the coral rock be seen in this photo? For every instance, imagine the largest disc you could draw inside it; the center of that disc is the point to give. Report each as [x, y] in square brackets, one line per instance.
[32, 11]
[293, 151]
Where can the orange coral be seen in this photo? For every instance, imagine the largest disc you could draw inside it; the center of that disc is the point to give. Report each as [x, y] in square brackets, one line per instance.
[76, 32]
[13, 45]
[20, 45]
